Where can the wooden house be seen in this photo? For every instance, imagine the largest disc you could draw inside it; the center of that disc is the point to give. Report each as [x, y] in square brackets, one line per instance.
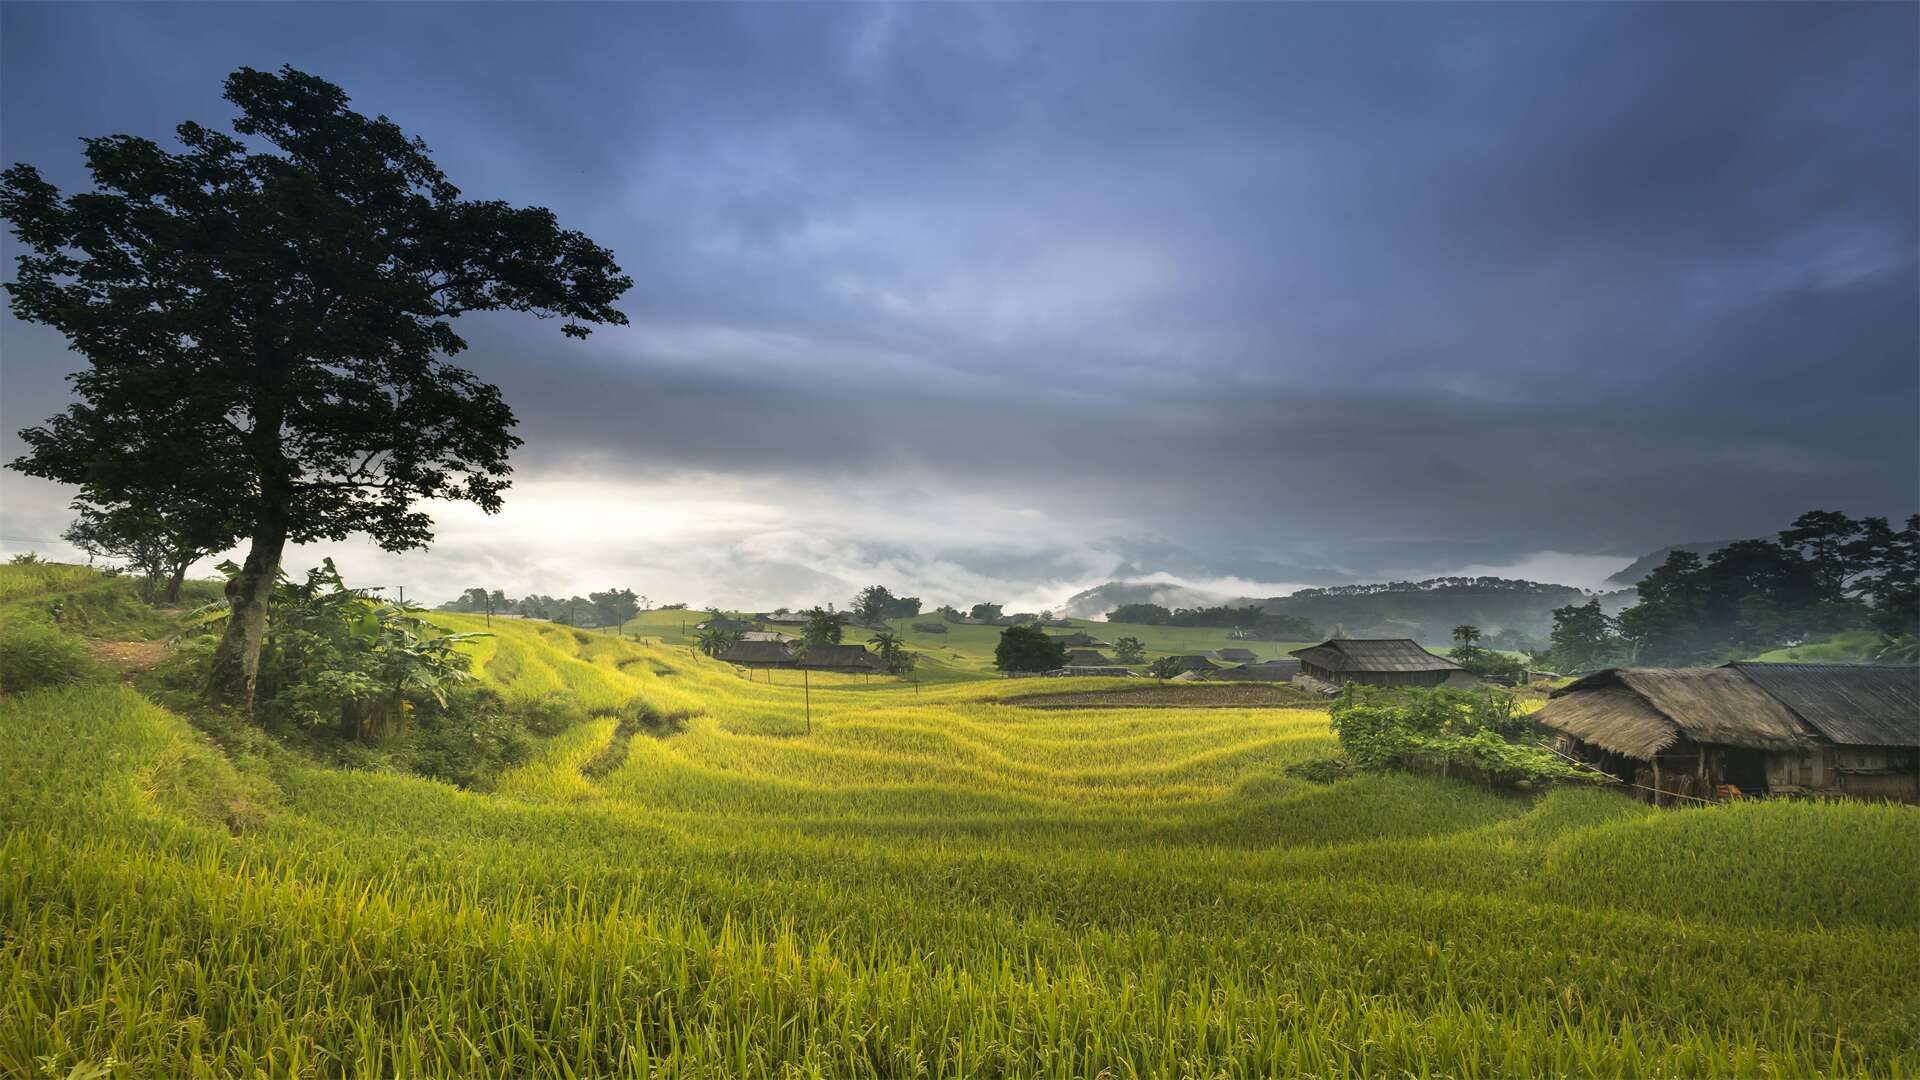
[1398, 662]
[1264, 671]
[1236, 655]
[851, 659]
[1836, 729]
[758, 654]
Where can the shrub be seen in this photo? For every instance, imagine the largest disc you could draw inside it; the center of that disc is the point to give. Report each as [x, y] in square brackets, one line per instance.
[930, 627]
[33, 654]
[468, 743]
[1386, 729]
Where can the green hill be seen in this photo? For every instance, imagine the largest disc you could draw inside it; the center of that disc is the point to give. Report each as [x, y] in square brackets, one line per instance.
[930, 881]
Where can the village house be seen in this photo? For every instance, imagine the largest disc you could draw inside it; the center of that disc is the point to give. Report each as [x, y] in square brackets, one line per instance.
[757, 654]
[1235, 655]
[1848, 730]
[1195, 662]
[1080, 641]
[1398, 662]
[1263, 671]
[851, 659]
[1088, 658]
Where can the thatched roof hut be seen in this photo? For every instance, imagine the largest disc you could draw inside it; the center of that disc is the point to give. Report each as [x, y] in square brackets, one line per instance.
[1196, 662]
[1842, 729]
[1639, 712]
[1088, 658]
[848, 658]
[1236, 655]
[1378, 662]
[1080, 641]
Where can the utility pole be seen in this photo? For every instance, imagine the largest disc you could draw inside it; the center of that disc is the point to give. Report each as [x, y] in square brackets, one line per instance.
[403, 594]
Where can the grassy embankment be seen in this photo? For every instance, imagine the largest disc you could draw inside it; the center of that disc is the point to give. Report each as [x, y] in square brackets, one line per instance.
[931, 883]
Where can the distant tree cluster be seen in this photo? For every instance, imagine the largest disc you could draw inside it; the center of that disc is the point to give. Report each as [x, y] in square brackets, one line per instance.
[876, 604]
[609, 607]
[1252, 617]
[1485, 662]
[1457, 584]
[1826, 573]
[985, 612]
[1028, 649]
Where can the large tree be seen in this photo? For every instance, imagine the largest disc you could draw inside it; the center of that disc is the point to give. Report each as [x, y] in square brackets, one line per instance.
[281, 304]
[1028, 648]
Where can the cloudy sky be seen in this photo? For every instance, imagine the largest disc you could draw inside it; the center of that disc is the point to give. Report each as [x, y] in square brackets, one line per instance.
[998, 302]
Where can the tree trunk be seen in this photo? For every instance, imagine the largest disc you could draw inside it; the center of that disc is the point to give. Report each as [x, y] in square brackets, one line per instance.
[172, 595]
[236, 661]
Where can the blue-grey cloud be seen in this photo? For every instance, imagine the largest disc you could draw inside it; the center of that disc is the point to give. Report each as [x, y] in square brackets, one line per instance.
[1281, 292]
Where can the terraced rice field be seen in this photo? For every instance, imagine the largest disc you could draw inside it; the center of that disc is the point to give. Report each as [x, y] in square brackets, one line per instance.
[934, 882]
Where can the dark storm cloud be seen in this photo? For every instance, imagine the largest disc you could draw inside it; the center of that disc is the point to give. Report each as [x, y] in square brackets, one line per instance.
[1265, 288]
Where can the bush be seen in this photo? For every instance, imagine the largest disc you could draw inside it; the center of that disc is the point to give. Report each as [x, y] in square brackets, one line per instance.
[1320, 770]
[33, 655]
[549, 715]
[1387, 729]
[468, 743]
[930, 627]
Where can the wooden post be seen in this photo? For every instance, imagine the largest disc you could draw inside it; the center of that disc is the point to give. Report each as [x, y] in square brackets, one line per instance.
[1656, 779]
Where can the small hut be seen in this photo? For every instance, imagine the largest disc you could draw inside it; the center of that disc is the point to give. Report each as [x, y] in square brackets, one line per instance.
[1264, 671]
[1080, 641]
[1236, 655]
[1839, 729]
[1196, 662]
[1088, 658]
[851, 659]
[757, 654]
[1397, 662]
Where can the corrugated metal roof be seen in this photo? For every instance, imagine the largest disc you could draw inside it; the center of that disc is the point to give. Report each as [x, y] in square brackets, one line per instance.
[1373, 654]
[757, 654]
[1851, 704]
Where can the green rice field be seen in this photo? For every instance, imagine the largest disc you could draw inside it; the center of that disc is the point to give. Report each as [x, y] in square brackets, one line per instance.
[913, 881]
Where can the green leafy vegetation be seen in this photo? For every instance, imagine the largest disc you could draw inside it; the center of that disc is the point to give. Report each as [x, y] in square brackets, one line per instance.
[1028, 649]
[946, 885]
[1479, 733]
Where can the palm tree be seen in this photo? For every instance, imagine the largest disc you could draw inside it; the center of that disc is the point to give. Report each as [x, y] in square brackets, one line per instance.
[714, 640]
[892, 650]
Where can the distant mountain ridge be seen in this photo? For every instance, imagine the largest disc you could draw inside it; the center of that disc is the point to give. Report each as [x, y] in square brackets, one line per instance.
[1511, 613]
[1637, 572]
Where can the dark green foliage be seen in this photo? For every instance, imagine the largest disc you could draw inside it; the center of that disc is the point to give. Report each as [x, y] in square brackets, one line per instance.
[1480, 733]
[1584, 637]
[823, 627]
[268, 322]
[468, 741]
[876, 604]
[1129, 650]
[893, 652]
[1254, 620]
[614, 606]
[158, 542]
[1827, 572]
[340, 656]
[1486, 663]
[1320, 770]
[985, 612]
[34, 654]
[1028, 648]
[1166, 667]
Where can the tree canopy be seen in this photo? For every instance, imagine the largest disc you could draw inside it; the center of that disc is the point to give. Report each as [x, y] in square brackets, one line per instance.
[268, 314]
[1028, 648]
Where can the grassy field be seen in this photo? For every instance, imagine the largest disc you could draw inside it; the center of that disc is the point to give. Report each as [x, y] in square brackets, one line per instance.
[933, 882]
[966, 652]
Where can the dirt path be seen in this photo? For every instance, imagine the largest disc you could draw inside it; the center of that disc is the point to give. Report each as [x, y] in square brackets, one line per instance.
[129, 657]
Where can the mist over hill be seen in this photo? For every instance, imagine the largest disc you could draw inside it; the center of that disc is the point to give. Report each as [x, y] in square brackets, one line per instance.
[1638, 570]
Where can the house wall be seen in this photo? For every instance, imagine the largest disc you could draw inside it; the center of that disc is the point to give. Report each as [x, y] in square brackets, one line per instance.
[1377, 678]
[1860, 772]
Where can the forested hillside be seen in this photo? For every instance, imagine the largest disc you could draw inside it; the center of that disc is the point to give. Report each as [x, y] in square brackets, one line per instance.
[1512, 614]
